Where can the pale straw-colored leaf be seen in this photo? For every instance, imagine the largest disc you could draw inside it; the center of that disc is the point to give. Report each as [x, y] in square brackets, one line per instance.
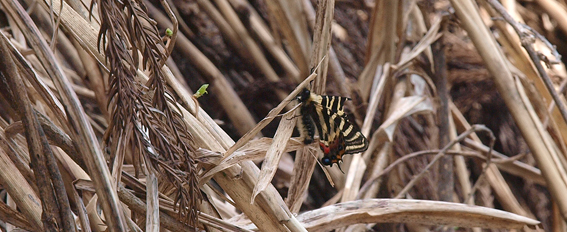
[424, 212]
[405, 107]
[274, 153]
[253, 150]
[431, 36]
[522, 111]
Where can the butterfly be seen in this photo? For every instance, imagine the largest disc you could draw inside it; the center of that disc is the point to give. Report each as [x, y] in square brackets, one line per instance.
[337, 136]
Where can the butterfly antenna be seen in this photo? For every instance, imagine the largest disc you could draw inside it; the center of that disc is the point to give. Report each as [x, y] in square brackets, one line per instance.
[340, 168]
[292, 109]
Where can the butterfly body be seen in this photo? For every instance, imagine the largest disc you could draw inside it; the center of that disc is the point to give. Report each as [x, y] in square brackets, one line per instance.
[337, 136]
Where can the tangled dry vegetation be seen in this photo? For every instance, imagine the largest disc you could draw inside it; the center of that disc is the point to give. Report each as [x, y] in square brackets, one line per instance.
[463, 103]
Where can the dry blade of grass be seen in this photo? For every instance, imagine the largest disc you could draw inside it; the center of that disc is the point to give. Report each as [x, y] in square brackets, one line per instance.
[47, 174]
[254, 150]
[515, 167]
[271, 115]
[20, 191]
[384, 24]
[431, 36]
[404, 107]
[286, 15]
[263, 220]
[493, 175]
[375, 210]
[407, 211]
[237, 181]
[90, 150]
[538, 143]
[274, 153]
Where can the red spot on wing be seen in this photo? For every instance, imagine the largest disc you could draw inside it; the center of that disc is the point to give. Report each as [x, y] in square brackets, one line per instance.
[326, 150]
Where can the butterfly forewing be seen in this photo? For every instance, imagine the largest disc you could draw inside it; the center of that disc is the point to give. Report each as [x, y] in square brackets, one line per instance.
[334, 103]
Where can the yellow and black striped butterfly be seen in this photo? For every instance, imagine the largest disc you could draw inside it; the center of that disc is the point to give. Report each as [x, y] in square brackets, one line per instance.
[337, 136]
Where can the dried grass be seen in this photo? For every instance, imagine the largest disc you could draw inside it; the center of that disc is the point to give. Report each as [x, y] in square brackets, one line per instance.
[99, 130]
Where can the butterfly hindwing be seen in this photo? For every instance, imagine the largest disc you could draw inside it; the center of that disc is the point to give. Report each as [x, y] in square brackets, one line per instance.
[354, 139]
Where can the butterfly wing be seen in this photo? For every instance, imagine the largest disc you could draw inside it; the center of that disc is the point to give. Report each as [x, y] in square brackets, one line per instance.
[335, 104]
[344, 138]
[337, 136]
[354, 139]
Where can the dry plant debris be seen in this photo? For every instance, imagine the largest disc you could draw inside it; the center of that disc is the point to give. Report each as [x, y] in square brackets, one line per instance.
[462, 102]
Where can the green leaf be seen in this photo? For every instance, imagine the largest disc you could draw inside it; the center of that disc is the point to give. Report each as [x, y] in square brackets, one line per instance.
[201, 91]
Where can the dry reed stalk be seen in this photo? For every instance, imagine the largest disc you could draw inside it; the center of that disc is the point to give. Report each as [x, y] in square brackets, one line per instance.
[236, 189]
[349, 192]
[242, 181]
[515, 37]
[262, 32]
[392, 118]
[335, 69]
[95, 78]
[260, 60]
[319, 63]
[381, 40]
[152, 209]
[14, 217]
[138, 205]
[515, 167]
[321, 42]
[493, 176]
[406, 211]
[244, 36]
[446, 183]
[20, 191]
[556, 11]
[90, 151]
[223, 26]
[461, 172]
[306, 159]
[49, 180]
[289, 18]
[17, 156]
[441, 153]
[394, 182]
[521, 110]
